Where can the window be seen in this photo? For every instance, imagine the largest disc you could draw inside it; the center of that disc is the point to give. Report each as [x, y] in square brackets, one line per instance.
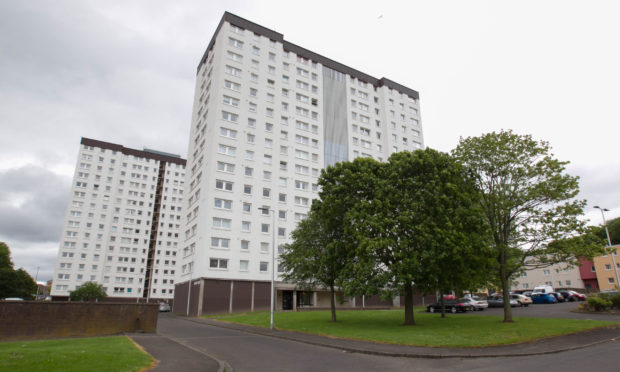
[249, 171]
[255, 50]
[301, 201]
[246, 226]
[247, 207]
[229, 116]
[223, 185]
[225, 132]
[266, 175]
[253, 92]
[225, 167]
[547, 272]
[222, 203]
[268, 143]
[282, 197]
[232, 71]
[249, 155]
[299, 154]
[301, 185]
[264, 266]
[218, 263]
[250, 137]
[607, 267]
[234, 56]
[268, 127]
[221, 223]
[301, 139]
[243, 265]
[247, 189]
[220, 243]
[609, 280]
[266, 192]
[302, 85]
[245, 245]
[282, 215]
[236, 43]
[254, 78]
[232, 86]
[267, 159]
[264, 227]
[281, 232]
[264, 247]
[251, 123]
[226, 150]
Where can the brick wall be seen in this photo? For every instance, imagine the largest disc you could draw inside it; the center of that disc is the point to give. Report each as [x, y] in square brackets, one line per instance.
[29, 320]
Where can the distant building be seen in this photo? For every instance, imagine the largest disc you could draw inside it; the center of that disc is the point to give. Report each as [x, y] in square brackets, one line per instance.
[587, 271]
[559, 276]
[605, 270]
[122, 225]
[268, 115]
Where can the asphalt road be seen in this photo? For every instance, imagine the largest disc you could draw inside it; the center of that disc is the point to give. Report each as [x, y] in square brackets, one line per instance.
[251, 352]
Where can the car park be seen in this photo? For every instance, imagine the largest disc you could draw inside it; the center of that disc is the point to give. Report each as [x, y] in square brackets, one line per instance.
[577, 296]
[451, 306]
[476, 303]
[164, 307]
[498, 301]
[544, 298]
[521, 299]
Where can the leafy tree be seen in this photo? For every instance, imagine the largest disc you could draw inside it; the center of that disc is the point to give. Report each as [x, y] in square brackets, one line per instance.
[316, 257]
[5, 256]
[614, 231]
[528, 202]
[423, 227]
[14, 283]
[89, 291]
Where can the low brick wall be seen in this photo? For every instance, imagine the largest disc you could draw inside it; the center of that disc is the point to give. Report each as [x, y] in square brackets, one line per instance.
[29, 320]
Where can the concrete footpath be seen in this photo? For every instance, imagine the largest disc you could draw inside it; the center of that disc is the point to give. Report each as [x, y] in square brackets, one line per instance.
[172, 355]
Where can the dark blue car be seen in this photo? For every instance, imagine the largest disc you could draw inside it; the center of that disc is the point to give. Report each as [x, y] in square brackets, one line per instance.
[543, 298]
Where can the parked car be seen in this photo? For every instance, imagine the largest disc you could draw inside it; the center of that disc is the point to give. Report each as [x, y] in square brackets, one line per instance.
[498, 301]
[558, 296]
[476, 303]
[568, 296]
[527, 294]
[451, 306]
[544, 298]
[578, 296]
[521, 299]
[543, 289]
[164, 307]
[13, 299]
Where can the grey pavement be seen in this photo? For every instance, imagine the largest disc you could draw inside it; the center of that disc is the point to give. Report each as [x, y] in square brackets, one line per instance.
[213, 344]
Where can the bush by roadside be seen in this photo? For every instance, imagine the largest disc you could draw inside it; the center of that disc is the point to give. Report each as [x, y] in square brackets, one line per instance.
[602, 302]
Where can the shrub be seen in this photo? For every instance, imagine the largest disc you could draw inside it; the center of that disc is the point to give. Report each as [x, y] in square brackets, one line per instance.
[598, 303]
[615, 301]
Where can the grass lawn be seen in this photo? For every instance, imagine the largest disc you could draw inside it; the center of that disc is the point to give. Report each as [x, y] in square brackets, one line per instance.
[458, 330]
[78, 354]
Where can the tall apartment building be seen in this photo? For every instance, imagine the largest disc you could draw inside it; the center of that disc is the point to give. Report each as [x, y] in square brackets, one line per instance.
[268, 115]
[122, 225]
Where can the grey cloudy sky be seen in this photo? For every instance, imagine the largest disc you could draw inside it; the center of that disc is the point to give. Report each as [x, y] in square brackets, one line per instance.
[124, 72]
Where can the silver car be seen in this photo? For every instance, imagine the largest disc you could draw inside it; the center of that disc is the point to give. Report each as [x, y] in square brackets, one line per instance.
[476, 303]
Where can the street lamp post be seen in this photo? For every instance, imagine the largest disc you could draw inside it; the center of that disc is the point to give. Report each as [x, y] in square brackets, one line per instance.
[613, 260]
[273, 263]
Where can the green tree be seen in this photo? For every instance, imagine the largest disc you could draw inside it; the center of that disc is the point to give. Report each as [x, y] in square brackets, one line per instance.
[317, 256]
[89, 291]
[528, 201]
[14, 283]
[614, 231]
[423, 229]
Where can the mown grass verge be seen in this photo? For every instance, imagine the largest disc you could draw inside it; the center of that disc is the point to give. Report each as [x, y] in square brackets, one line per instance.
[79, 354]
[385, 326]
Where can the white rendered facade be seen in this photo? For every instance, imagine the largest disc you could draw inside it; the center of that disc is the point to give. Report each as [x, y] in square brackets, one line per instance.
[108, 233]
[267, 117]
[559, 276]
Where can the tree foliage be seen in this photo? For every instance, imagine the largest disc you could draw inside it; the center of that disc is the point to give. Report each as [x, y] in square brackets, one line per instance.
[387, 227]
[528, 200]
[89, 291]
[14, 283]
[422, 229]
[614, 231]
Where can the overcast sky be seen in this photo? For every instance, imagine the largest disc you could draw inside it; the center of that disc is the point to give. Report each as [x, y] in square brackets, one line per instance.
[124, 72]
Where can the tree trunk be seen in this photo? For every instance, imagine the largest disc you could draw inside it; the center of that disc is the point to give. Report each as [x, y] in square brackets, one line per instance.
[409, 320]
[506, 296]
[333, 302]
[443, 305]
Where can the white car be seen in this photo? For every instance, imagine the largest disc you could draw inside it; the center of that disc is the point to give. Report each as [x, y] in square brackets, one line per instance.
[476, 303]
[521, 299]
